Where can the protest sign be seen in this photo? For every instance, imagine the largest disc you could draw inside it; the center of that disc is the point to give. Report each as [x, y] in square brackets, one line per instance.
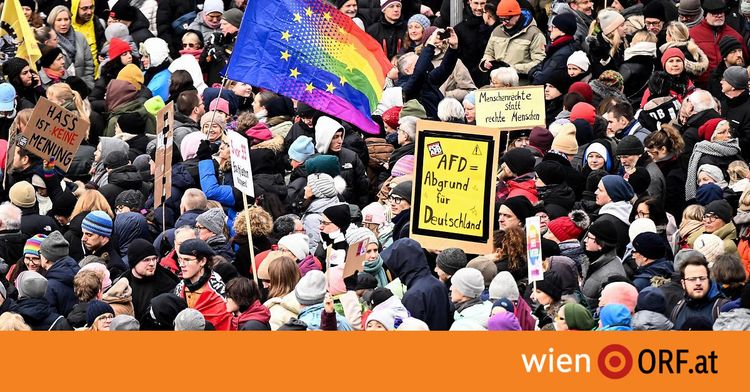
[242, 172]
[453, 197]
[53, 131]
[355, 258]
[511, 108]
[534, 249]
[163, 158]
[10, 153]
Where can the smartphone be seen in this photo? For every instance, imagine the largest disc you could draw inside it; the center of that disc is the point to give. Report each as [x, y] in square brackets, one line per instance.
[445, 34]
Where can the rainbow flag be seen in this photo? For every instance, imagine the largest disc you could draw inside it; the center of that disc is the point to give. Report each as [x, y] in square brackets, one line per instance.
[309, 51]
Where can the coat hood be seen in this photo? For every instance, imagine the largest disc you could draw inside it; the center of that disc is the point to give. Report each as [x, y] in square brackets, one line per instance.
[64, 270]
[646, 320]
[33, 310]
[567, 271]
[325, 128]
[661, 267]
[620, 210]
[181, 177]
[615, 317]
[127, 227]
[406, 260]
[119, 92]
[119, 293]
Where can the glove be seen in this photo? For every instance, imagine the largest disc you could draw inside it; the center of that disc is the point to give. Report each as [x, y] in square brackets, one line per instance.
[351, 281]
[204, 150]
[49, 168]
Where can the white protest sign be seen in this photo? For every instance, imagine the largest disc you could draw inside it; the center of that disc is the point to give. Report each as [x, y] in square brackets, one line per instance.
[534, 249]
[242, 173]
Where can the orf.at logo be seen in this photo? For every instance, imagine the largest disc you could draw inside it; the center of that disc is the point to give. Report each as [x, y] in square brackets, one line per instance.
[615, 361]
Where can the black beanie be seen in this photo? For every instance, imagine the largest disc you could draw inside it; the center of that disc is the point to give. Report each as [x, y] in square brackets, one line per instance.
[629, 145]
[138, 250]
[727, 45]
[132, 123]
[339, 215]
[48, 56]
[654, 9]
[13, 67]
[519, 160]
[521, 207]
[721, 209]
[650, 245]
[550, 172]
[451, 260]
[549, 249]
[640, 180]
[584, 132]
[561, 81]
[379, 295]
[550, 285]
[565, 22]
[604, 232]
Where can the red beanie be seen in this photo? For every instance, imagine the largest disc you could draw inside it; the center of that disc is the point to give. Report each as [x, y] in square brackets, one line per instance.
[117, 47]
[672, 52]
[584, 89]
[259, 132]
[564, 229]
[390, 116]
[584, 111]
[706, 131]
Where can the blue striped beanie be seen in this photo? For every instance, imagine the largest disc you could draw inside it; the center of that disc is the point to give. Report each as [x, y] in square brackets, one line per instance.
[98, 222]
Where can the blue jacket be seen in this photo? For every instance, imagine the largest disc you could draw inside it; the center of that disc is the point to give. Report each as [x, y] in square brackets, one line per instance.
[159, 84]
[643, 275]
[426, 297]
[224, 194]
[615, 317]
[59, 292]
[311, 316]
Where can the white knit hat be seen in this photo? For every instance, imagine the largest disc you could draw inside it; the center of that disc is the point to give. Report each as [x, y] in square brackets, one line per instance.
[641, 225]
[580, 60]
[710, 245]
[297, 243]
[610, 20]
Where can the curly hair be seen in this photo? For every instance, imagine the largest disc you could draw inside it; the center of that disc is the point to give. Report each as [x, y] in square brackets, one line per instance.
[511, 244]
[261, 222]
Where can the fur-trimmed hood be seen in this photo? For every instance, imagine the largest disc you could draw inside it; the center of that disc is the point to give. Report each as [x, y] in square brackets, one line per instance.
[275, 144]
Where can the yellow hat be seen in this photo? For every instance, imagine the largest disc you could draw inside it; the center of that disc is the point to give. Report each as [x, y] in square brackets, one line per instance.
[131, 73]
[565, 141]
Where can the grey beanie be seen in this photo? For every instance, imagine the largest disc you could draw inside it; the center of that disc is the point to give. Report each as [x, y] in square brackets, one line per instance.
[311, 289]
[468, 281]
[451, 260]
[504, 286]
[31, 284]
[689, 7]
[233, 16]
[213, 220]
[124, 322]
[737, 77]
[322, 185]
[358, 234]
[682, 256]
[54, 247]
[189, 320]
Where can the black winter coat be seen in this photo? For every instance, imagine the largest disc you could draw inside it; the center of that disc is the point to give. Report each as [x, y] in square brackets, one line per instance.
[168, 12]
[424, 83]
[575, 180]
[556, 61]
[144, 289]
[354, 173]
[122, 179]
[32, 223]
[738, 113]
[389, 36]
[37, 313]
[473, 35]
[636, 72]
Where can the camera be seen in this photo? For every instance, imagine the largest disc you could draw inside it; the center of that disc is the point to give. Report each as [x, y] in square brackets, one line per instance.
[445, 34]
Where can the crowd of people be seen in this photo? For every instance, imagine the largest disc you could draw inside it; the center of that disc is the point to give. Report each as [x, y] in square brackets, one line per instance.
[639, 176]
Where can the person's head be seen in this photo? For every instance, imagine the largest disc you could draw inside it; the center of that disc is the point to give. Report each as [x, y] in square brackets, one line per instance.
[715, 12]
[154, 52]
[52, 58]
[448, 262]
[618, 117]
[295, 246]
[31, 257]
[87, 285]
[329, 135]
[283, 275]
[548, 290]
[59, 19]
[192, 40]
[348, 7]
[728, 271]
[391, 10]
[469, 104]
[416, 26]
[335, 218]
[664, 142]
[10, 217]
[311, 288]
[400, 197]
[10, 321]
[612, 189]
[734, 81]
[514, 211]
[731, 51]
[18, 72]
[629, 151]
[213, 124]
[477, 7]
[584, 6]
[578, 63]
[63, 95]
[602, 236]
[717, 214]
[195, 257]
[695, 277]
[504, 77]
[562, 24]
[597, 156]
[673, 61]
[85, 11]
[509, 13]
[210, 223]
[193, 199]
[648, 247]
[466, 284]
[97, 230]
[450, 110]
[142, 258]
[99, 315]
[46, 36]
[241, 294]
[677, 32]
[231, 21]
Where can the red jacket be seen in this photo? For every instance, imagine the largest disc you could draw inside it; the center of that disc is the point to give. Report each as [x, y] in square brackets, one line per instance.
[708, 39]
[170, 262]
[211, 302]
[256, 312]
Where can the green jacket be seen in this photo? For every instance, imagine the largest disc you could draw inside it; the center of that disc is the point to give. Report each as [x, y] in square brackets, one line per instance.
[130, 107]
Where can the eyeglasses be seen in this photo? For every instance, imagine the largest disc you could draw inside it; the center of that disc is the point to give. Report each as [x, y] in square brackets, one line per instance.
[695, 279]
[32, 260]
[653, 24]
[643, 215]
[710, 217]
[325, 223]
[190, 45]
[108, 316]
[396, 199]
[503, 20]
[200, 227]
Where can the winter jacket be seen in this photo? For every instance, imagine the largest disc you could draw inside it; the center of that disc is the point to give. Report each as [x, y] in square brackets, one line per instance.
[81, 60]
[282, 309]
[646, 320]
[200, 25]
[598, 272]
[473, 35]
[556, 61]
[558, 199]
[139, 29]
[123, 98]
[426, 297]
[599, 50]
[478, 312]
[459, 83]
[690, 132]
[183, 125]
[120, 297]
[111, 256]
[209, 300]
[122, 179]
[311, 315]
[707, 308]
[728, 234]
[256, 312]
[618, 214]
[227, 195]
[32, 223]
[573, 177]
[737, 112]
[37, 313]
[11, 245]
[159, 84]
[640, 63]
[59, 293]
[93, 31]
[169, 11]
[424, 83]
[734, 320]
[523, 50]
[389, 36]
[707, 38]
[643, 275]
[144, 289]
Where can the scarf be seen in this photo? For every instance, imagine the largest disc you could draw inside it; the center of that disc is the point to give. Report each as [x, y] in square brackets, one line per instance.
[210, 25]
[641, 49]
[558, 42]
[463, 306]
[67, 43]
[718, 149]
[375, 268]
[56, 76]
[193, 52]
[193, 287]
[688, 227]
[218, 239]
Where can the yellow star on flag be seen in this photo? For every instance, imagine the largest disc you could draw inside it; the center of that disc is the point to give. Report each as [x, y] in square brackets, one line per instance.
[309, 87]
[285, 35]
[349, 67]
[327, 15]
[294, 72]
[308, 11]
[342, 80]
[330, 88]
[285, 55]
[342, 31]
[297, 17]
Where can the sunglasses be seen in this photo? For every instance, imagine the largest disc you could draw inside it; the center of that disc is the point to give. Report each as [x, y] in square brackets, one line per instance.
[190, 45]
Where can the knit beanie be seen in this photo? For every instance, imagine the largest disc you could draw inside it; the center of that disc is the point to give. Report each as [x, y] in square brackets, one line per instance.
[504, 286]
[610, 20]
[580, 60]
[550, 285]
[617, 188]
[569, 227]
[387, 3]
[612, 79]
[124, 322]
[707, 193]
[117, 47]
[519, 160]
[727, 45]
[652, 299]
[650, 245]
[654, 9]
[154, 104]
[541, 138]
[584, 89]
[48, 56]
[190, 320]
[486, 266]
[390, 116]
[213, 220]
[598, 148]
[689, 7]
[578, 318]
[357, 234]
[714, 5]
[328, 164]
[133, 75]
[470, 98]
[132, 123]
[233, 17]
[468, 281]
[311, 289]
[33, 245]
[710, 245]
[412, 108]
[584, 111]
[451, 260]
[403, 167]
[672, 52]
[550, 172]
[301, 149]
[131, 198]
[566, 22]
[138, 250]
[122, 10]
[604, 232]
[715, 173]
[630, 145]
[721, 208]
[95, 309]
[561, 81]
[339, 215]
[737, 77]
[259, 133]
[641, 225]
[31, 284]
[622, 293]
[97, 222]
[13, 66]
[373, 213]
[420, 19]
[322, 185]
[214, 117]
[706, 131]
[22, 194]
[54, 247]
[565, 141]
[190, 143]
[403, 190]
[520, 206]
[508, 8]
[297, 243]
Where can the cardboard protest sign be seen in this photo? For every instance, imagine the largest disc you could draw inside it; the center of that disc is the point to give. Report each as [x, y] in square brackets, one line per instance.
[511, 108]
[163, 158]
[534, 249]
[242, 172]
[453, 197]
[53, 131]
[355, 258]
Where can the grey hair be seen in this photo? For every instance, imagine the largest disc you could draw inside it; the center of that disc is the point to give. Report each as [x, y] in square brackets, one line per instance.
[505, 76]
[10, 216]
[404, 61]
[701, 100]
[408, 124]
[449, 109]
[185, 228]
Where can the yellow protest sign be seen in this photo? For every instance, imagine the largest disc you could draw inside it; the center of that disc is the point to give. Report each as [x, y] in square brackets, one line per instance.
[510, 108]
[453, 198]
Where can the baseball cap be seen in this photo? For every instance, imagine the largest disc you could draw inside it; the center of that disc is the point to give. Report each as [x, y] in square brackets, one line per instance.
[7, 97]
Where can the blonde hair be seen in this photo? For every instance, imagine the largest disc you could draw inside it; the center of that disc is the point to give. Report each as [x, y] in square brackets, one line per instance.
[72, 100]
[738, 170]
[261, 222]
[92, 200]
[10, 321]
[23, 117]
[613, 38]
[678, 31]
[693, 212]
[643, 36]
